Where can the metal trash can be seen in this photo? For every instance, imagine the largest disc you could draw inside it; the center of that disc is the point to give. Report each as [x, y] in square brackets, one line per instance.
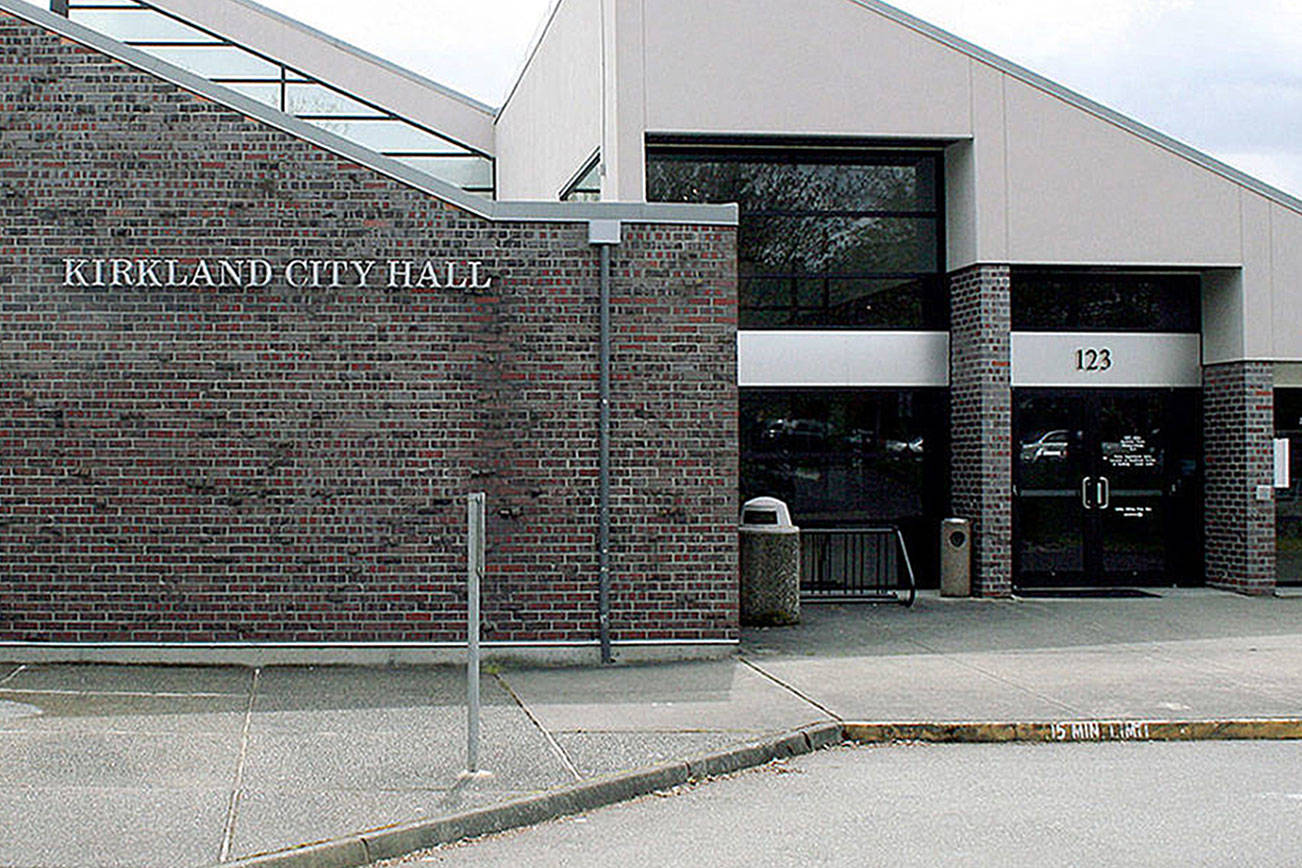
[770, 564]
[955, 557]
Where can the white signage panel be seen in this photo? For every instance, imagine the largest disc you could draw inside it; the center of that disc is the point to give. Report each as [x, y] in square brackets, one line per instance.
[1106, 359]
[842, 358]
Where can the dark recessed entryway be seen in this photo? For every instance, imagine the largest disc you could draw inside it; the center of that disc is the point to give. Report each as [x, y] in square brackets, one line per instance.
[1106, 487]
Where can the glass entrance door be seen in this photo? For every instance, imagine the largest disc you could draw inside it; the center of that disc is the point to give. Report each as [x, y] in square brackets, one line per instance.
[1105, 487]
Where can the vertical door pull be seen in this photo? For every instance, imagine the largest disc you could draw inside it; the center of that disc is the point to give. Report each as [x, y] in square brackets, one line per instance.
[1084, 492]
[1105, 493]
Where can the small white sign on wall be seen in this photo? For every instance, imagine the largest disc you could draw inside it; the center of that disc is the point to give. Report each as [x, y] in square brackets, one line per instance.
[1282, 455]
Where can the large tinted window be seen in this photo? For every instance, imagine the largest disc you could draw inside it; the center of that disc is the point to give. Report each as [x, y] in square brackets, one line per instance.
[846, 457]
[827, 239]
[1083, 300]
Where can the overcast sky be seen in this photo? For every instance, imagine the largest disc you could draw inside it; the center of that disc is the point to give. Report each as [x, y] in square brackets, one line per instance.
[1222, 75]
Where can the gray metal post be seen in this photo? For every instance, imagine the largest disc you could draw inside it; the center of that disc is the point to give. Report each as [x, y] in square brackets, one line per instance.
[474, 572]
[59, 7]
[603, 508]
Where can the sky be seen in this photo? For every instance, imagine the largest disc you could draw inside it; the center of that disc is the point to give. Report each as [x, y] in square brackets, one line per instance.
[1224, 76]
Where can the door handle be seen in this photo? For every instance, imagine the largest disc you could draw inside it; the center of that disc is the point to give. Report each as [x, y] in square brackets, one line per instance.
[1084, 492]
[1105, 493]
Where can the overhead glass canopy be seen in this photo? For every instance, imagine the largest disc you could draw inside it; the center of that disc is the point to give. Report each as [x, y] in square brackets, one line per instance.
[280, 86]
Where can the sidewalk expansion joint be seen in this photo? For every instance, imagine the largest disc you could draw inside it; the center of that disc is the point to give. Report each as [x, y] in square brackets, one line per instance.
[555, 745]
[233, 809]
[792, 690]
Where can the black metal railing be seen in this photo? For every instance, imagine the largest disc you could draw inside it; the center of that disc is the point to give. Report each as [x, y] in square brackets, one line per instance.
[854, 564]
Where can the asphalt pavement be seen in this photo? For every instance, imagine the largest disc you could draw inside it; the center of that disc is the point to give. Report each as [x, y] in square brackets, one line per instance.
[926, 805]
[168, 766]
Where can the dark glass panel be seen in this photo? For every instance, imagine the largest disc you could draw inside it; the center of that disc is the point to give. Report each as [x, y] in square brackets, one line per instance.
[840, 456]
[1288, 501]
[839, 245]
[1288, 409]
[764, 318]
[782, 182]
[767, 292]
[879, 302]
[834, 225]
[1105, 301]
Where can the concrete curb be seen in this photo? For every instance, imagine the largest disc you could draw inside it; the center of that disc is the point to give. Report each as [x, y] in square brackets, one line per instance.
[1076, 731]
[392, 841]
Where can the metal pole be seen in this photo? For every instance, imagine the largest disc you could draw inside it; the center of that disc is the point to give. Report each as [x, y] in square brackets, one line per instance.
[603, 507]
[59, 7]
[474, 572]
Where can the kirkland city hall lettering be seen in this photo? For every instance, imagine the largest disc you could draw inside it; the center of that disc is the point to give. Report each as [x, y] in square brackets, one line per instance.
[256, 273]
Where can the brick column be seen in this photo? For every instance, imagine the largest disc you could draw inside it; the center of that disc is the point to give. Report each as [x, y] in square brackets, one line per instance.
[981, 409]
[1238, 429]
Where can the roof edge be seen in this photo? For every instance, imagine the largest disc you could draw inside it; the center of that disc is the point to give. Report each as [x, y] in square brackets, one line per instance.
[361, 53]
[1083, 102]
[558, 212]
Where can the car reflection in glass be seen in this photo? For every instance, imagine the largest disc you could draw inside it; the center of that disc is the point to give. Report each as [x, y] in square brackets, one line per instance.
[1049, 446]
[905, 447]
[795, 435]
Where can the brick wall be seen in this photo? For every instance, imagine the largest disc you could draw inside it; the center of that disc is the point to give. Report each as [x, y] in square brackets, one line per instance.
[981, 420]
[1238, 430]
[276, 464]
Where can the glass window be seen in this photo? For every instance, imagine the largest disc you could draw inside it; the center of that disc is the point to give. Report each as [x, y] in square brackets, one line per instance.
[467, 172]
[1092, 300]
[388, 136]
[838, 245]
[134, 25]
[1288, 501]
[588, 186]
[218, 61]
[848, 239]
[846, 456]
[263, 93]
[317, 99]
[784, 181]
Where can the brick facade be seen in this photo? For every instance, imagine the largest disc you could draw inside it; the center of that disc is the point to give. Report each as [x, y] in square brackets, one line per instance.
[1238, 428]
[981, 420]
[278, 464]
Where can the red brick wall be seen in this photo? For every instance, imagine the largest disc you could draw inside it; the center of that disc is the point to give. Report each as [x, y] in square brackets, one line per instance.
[279, 464]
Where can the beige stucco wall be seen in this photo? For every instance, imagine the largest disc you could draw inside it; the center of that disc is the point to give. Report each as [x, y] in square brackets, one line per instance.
[551, 123]
[1031, 177]
[798, 66]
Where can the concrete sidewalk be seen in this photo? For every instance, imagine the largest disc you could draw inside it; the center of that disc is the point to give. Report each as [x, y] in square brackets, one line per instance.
[167, 766]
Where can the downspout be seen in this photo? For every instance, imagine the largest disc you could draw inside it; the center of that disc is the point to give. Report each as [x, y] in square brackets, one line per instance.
[604, 234]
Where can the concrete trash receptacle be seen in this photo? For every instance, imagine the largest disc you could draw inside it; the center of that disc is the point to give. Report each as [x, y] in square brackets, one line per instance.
[955, 557]
[770, 564]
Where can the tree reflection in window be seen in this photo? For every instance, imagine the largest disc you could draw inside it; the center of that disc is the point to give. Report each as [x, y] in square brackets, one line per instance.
[827, 239]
